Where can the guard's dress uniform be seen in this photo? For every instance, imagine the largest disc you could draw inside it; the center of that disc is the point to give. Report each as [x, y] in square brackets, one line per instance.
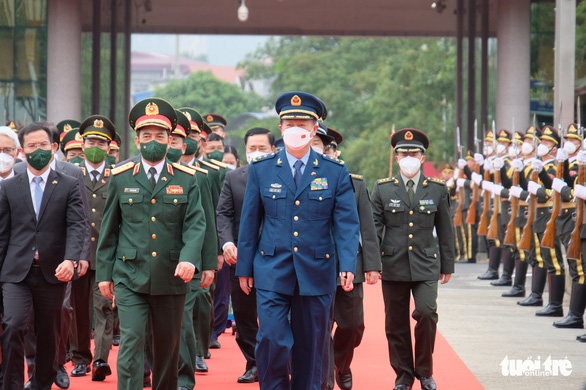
[412, 261]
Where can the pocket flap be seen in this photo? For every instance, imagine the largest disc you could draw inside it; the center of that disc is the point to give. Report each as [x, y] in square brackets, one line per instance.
[324, 252]
[428, 209]
[387, 250]
[126, 253]
[395, 207]
[175, 199]
[320, 195]
[430, 252]
[275, 193]
[266, 249]
[131, 198]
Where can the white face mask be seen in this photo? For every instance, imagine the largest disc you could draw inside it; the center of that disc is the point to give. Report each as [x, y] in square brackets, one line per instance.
[488, 150]
[296, 138]
[542, 150]
[231, 166]
[409, 165]
[6, 162]
[513, 152]
[253, 155]
[500, 149]
[317, 149]
[527, 148]
[570, 147]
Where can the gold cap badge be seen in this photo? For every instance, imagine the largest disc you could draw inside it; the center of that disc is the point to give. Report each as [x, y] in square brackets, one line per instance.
[547, 131]
[67, 127]
[98, 123]
[210, 118]
[187, 115]
[295, 101]
[408, 136]
[152, 109]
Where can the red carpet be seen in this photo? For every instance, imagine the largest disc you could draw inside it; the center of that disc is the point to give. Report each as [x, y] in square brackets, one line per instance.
[371, 367]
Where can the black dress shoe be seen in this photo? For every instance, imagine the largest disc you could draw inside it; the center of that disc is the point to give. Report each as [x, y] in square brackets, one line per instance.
[570, 321]
[490, 274]
[402, 386]
[100, 370]
[250, 376]
[208, 355]
[80, 369]
[551, 311]
[200, 364]
[532, 300]
[116, 340]
[62, 379]
[214, 344]
[515, 292]
[581, 338]
[428, 384]
[503, 281]
[344, 379]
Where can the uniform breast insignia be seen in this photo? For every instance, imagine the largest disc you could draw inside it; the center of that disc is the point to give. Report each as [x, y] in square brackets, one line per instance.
[54, 182]
[319, 183]
[187, 170]
[357, 177]
[426, 202]
[315, 162]
[131, 190]
[275, 187]
[175, 190]
[395, 203]
[122, 168]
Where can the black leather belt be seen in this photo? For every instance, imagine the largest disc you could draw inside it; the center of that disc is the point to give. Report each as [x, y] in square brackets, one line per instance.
[36, 263]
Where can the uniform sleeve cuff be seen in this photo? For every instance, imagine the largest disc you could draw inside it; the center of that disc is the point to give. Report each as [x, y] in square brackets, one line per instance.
[224, 246]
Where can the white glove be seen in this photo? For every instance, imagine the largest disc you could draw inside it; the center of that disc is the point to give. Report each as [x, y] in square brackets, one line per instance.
[450, 182]
[498, 163]
[457, 173]
[488, 165]
[517, 164]
[562, 155]
[497, 189]
[461, 163]
[476, 178]
[558, 184]
[533, 187]
[479, 158]
[581, 157]
[580, 191]
[537, 165]
[487, 185]
[515, 191]
[460, 182]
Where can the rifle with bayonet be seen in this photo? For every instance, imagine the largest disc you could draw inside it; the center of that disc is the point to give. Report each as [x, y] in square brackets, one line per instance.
[510, 234]
[527, 235]
[573, 250]
[459, 211]
[471, 216]
[493, 229]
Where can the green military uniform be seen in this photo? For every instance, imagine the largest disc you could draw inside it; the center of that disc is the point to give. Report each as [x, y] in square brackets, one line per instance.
[146, 232]
[412, 258]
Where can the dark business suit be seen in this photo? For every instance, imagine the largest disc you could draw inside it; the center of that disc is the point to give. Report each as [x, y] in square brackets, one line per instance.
[228, 221]
[57, 235]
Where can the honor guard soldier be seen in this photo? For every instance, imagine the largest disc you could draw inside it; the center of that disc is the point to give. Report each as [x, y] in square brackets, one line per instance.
[114, 152]
[300, 216]
[150, 243]
[71, 147]
[217, 123]
[407, 208]
[97, 132]
[466, 235]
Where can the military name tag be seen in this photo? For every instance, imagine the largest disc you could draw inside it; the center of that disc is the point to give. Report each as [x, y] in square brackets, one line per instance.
[275, 190]
[320, 183]
[131, 190]
[174, 190]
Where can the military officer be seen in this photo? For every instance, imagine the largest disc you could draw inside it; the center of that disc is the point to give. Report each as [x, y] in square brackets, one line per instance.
[97, 132]
[217, 124]
[306, 206]
[150, 244]
[71, 147]
[114, 152]
[407, 208]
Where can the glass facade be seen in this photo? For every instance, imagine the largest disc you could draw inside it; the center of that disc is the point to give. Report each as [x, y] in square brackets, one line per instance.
[23, 60]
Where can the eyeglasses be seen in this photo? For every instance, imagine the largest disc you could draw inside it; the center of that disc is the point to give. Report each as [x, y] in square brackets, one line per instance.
[7, 150]
[42, 145]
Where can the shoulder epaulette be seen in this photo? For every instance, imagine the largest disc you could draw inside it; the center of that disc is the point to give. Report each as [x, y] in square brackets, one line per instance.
[357, 177]
[263, 157]
[435, 180]
[386, 179]
[184, 169]
[122, 168]
[197, 169]
[207, 164]
[332, 159]
[219, 163]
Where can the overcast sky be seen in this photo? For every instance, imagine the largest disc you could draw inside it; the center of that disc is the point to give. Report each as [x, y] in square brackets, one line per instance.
[220, 49]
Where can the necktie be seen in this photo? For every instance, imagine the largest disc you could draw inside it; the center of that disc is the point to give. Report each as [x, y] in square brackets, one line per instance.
[95, 174]
[152, 179]
[410, 191]
[38, 194]
[297, 176]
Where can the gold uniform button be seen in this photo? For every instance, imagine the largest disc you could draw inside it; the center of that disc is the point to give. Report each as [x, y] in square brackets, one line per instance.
[123, 258]
[93, 224]
[93, 239]
[153, 219]
[327, 255]
[296, 218]
[295, 249]
[393, 211]
[410, 212]
[175, 201]
[130, 200]
[320, 198]
[93, 210]
[297, 202]
[274, 196]
[154, 254]
[410, 224]
[410, 248]
[262, 253]
[435, 255]
[153, 201]
[383, 253]
[154, 236]
[94, 195]
[410, 235]
[295, 234]
[428, 212]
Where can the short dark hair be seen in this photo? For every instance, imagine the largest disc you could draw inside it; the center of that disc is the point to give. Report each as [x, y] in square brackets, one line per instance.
[56, 137]
[34, 127]
[257, 131]
[232, 150]
[215, 137]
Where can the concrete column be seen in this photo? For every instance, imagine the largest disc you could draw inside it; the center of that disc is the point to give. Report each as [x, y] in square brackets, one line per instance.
[63, 60]
[513, 64]
[565, 42]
